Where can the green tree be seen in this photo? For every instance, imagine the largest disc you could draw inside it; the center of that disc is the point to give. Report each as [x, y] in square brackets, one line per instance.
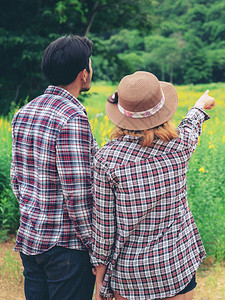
[105, 15]
[27, 27]
[217, 59]
[166, 53]
[197, 67]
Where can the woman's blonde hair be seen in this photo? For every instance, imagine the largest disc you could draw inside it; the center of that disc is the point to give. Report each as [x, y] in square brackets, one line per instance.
[165, 132]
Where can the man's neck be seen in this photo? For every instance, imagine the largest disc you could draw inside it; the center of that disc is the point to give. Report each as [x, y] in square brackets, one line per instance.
[73, 88]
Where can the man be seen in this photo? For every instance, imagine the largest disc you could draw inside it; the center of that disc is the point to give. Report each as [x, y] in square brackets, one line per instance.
[51, 176]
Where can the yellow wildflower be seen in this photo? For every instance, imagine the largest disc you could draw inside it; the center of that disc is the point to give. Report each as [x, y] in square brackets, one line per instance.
[202, 169]
[210, 132]
[103, 143]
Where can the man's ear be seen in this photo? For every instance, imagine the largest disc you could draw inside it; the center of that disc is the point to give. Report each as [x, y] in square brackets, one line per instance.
[84, 75]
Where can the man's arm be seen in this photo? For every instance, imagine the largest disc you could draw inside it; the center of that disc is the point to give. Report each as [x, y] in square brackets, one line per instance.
[74, 156]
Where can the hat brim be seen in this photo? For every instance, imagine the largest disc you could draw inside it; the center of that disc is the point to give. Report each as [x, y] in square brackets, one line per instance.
[162, 116]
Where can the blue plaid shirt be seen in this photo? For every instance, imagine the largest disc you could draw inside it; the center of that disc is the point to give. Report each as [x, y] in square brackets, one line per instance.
[51, 172]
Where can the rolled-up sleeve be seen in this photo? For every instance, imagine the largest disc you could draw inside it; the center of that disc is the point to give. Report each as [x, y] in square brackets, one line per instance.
[104, 220]
[75, 150]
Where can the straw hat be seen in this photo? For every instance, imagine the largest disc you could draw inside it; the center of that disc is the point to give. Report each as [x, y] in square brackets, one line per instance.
[141, 102]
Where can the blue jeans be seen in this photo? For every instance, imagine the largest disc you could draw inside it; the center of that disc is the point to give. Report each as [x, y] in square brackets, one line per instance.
[58, 274]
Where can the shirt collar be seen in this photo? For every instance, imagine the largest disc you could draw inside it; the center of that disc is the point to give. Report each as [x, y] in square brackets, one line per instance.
[55, 90]
[130, 138]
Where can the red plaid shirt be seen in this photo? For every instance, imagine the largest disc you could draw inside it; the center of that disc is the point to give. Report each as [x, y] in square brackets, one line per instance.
[51, 172]
[143, 229]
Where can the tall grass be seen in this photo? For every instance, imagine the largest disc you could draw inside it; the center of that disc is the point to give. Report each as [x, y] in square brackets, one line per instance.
[206, 175]
[5, 152]
[9, 208]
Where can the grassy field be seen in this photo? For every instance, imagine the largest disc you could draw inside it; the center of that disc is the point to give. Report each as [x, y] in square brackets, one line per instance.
[206, 175]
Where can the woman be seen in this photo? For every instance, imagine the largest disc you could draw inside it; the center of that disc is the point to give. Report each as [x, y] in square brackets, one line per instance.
[145, 242]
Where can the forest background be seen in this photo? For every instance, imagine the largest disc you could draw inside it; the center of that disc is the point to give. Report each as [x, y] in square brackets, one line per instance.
[180, 41]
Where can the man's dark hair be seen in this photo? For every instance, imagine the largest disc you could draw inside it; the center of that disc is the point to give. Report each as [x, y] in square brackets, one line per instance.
[65, 57]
